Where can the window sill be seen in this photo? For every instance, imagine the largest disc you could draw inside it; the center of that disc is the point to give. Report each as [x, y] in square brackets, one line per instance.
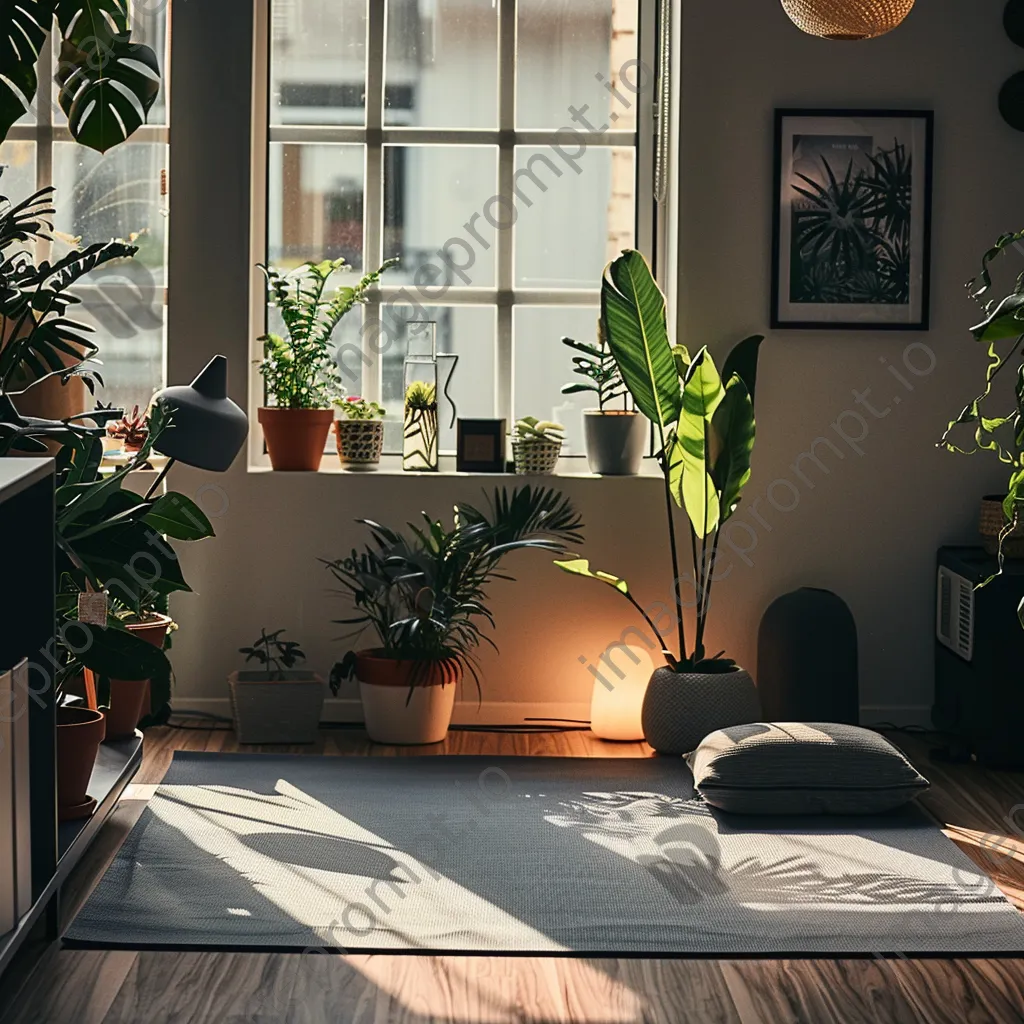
[569, 467]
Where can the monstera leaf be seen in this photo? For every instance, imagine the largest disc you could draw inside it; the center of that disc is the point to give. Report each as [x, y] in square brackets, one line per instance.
[108, 83]
[633, 311]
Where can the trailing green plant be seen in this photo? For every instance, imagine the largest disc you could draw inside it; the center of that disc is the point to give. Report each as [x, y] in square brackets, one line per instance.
[299, 370]
[1001, 333]
[107, 82]
[275, 655]
[423, 592]
[597, 366]
[38, 339]
[704, 424]
[356, 408]
[530, 430]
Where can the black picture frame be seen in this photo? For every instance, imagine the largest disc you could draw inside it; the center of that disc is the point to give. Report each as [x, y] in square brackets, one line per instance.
[900, 263]
[480, 446]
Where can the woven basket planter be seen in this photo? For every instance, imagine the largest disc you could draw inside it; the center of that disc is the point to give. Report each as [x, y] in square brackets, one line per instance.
[536, 458]
[847, 19]
[276, 711]
[992, 521]
[360, 442]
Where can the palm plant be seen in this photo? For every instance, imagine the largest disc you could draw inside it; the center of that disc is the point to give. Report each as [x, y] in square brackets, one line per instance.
[888, 192]
[107, 82]
[300, 371]
[704, 424]
[423, 593]
[37, 338]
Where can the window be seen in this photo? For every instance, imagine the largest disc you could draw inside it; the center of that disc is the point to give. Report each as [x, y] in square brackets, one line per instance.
[120, 194]
[500, 148]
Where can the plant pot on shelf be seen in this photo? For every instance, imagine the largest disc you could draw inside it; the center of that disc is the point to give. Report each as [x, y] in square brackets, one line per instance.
[129, 698]
[80, 731]
[536, 458]
[681, 708]
[360, 442]
[615, 441]
[405, 702]
[992, 521]
[296, 438]
[285, 709]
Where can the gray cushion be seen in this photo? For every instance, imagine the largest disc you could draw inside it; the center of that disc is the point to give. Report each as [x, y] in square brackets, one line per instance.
[803, 768]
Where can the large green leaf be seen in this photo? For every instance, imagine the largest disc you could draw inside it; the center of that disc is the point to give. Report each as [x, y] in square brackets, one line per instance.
[117, 653]
[742, 361]
[25, 24]
[107, 82]
[581, 567]
[689, 477]
[1005, 321]
[633, 311]
[733, 424]
[178, 517]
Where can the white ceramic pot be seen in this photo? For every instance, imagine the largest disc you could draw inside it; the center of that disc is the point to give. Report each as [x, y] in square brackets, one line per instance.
[404, 705]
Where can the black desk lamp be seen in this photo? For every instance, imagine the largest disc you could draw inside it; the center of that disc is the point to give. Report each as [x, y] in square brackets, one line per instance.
[206, 430]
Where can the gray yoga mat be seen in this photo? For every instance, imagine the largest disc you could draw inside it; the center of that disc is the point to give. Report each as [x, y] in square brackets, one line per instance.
[571, 856]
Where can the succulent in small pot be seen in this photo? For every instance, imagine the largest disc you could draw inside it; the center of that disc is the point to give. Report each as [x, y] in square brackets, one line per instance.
[299, 371]
[277, 703]
[423, 594]
[536, 446]
[615, 437]
[704, 425]
[130, 431]
[359, 431]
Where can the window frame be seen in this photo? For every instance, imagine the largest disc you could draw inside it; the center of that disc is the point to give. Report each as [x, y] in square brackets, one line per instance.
[654, 230]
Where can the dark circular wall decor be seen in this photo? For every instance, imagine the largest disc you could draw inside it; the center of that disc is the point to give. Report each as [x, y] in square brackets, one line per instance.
[1013, 21]
[1011, 101]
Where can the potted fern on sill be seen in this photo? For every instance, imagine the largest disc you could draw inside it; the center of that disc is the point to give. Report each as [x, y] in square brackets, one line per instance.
[299, 370]
[615, 437]
[423, 596]
[704, 426]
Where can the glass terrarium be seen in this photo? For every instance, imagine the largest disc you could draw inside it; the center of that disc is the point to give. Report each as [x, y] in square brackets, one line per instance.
[422, 387]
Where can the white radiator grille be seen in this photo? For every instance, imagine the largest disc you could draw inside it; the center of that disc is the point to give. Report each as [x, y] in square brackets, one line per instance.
[954, 624]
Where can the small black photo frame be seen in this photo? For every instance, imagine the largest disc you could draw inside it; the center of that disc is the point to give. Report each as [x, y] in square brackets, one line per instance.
[851, 245]
[480, 446]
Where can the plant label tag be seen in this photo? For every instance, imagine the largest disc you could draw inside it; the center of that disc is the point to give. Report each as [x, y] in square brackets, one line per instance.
[92, 608]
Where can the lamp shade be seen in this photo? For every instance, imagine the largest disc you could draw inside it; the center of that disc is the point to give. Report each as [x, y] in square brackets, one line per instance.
[618, 695]
[206, 429]
[847, 19]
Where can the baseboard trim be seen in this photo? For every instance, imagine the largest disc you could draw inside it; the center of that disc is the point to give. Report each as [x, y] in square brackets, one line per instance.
[466, 712]
[506, 713]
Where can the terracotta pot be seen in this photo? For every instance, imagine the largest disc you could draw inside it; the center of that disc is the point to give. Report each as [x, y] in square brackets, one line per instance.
[296, 438]
[393, 715]
[129, 698]
[79, 735]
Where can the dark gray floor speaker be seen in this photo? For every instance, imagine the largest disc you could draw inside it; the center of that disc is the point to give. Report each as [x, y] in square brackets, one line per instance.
[807, 659]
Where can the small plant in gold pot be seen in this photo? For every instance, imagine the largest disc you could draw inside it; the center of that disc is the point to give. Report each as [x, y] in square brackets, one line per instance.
[359, 430]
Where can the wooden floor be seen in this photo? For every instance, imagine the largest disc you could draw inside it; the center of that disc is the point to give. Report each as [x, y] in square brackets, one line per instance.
[86, 987]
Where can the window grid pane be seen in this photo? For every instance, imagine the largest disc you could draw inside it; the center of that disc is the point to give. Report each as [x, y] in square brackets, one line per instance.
[522, 260]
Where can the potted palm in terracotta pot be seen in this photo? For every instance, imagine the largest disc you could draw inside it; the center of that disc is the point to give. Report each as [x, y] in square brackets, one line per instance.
[423, 593]
[615, 437]
[704, 426]
[301, 376]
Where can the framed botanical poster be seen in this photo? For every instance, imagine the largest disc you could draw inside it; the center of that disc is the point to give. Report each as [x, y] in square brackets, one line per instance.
[852, 238]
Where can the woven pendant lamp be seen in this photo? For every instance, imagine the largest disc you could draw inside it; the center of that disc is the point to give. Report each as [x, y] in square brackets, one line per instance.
[847, 19]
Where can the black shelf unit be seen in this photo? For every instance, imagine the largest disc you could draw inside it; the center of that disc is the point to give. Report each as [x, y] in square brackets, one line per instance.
[27, 629]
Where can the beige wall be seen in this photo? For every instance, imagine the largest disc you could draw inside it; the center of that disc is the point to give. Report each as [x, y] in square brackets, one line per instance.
[868, 529]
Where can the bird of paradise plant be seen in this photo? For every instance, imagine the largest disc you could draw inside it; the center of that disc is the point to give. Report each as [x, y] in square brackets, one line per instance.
[704, 423]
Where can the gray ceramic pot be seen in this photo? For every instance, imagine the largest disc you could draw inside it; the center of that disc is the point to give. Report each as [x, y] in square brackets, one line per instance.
[681, 708]
[615, 441]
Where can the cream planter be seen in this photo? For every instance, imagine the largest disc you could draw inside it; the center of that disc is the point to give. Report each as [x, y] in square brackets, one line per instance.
[276, 710]
[392, 718]
[615, 441]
